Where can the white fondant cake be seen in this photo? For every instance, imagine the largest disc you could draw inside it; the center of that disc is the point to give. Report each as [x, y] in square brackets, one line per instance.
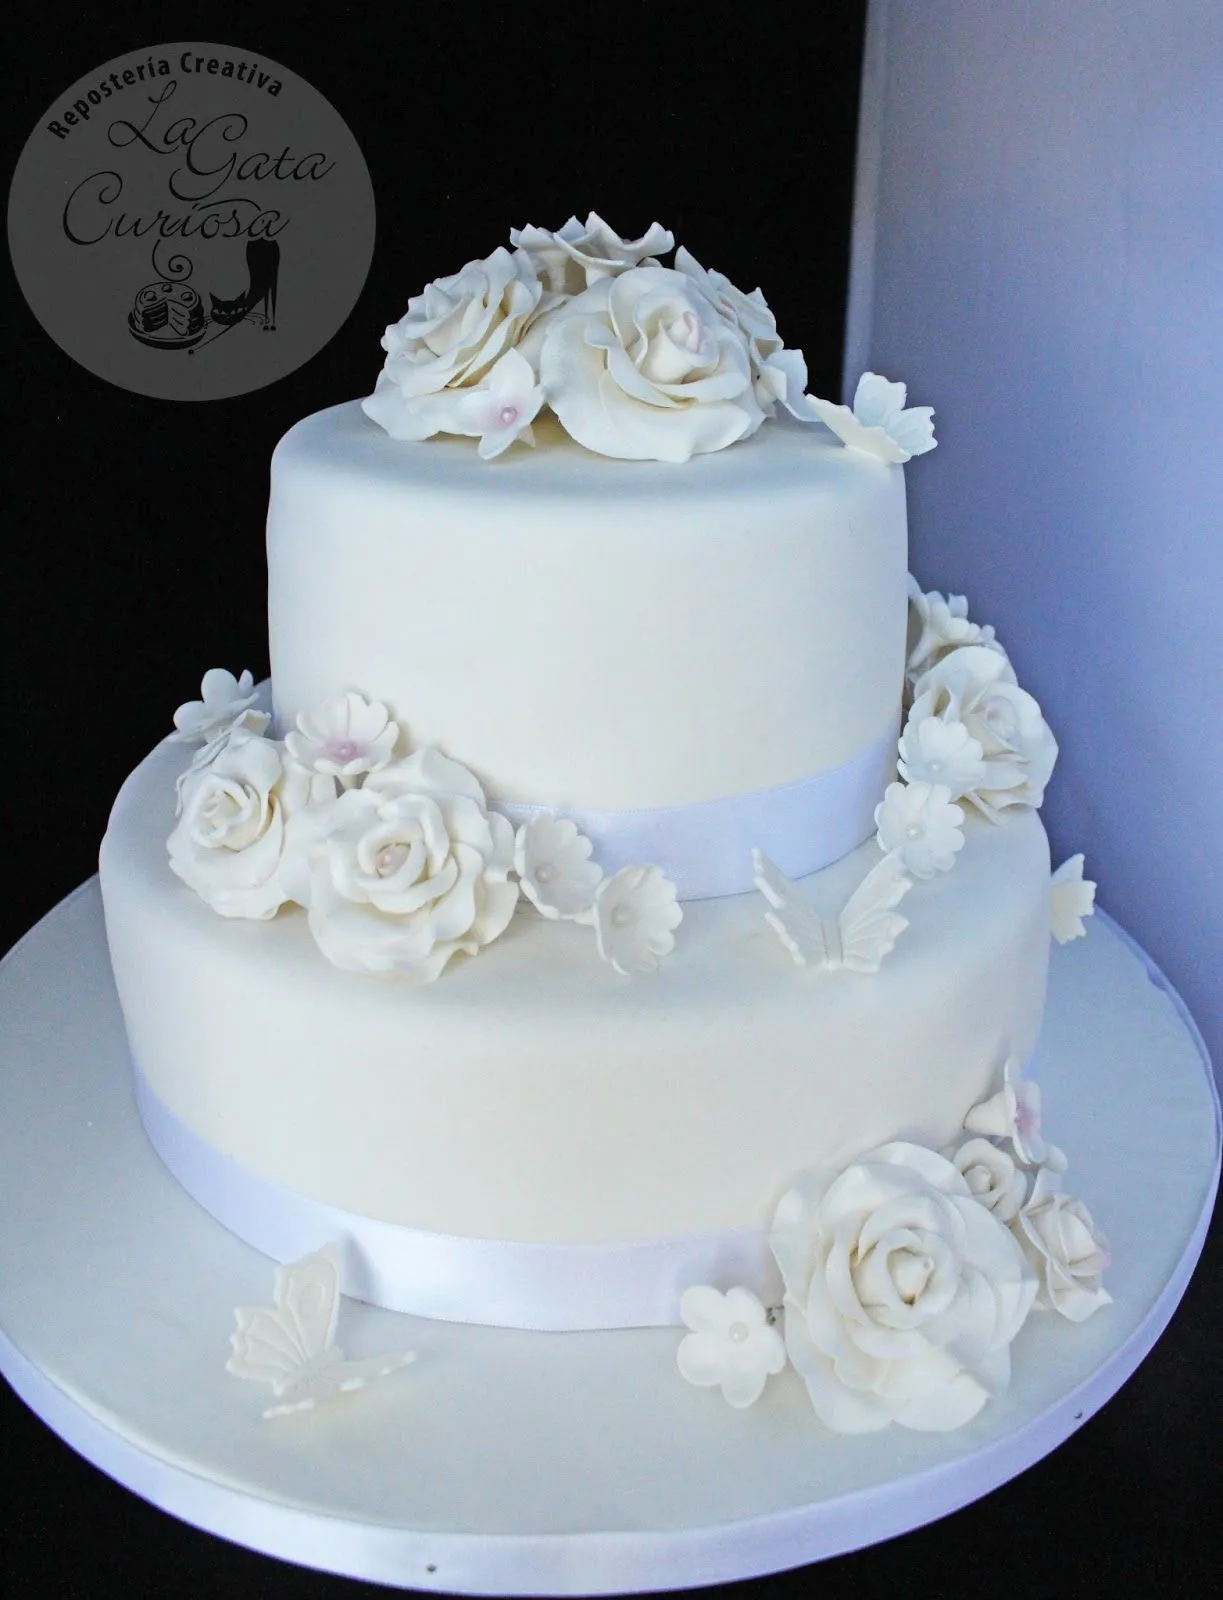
[617, 673]
[585, 632]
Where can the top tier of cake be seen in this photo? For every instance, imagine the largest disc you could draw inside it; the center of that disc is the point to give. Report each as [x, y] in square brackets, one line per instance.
[583, 631]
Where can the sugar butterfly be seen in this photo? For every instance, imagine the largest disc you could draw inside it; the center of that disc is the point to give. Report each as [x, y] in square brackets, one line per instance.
[858, 939]
[291, 1344]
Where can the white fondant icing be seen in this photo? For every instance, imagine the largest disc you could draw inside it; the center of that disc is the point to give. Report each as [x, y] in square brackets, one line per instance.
[584, 632]
[538, 1097]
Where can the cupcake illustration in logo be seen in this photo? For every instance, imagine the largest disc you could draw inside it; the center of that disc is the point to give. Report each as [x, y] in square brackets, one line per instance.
[168, 316]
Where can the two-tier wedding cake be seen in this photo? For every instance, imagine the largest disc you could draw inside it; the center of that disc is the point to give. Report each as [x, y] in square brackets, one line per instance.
[628, 904]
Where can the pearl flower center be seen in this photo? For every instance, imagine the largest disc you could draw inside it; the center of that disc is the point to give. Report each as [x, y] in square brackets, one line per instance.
[506, 415]
[389, 859]
[621, 916]
[936, 766]
[345, 749]
[738, 1333]
[914, 831]
[545, 873]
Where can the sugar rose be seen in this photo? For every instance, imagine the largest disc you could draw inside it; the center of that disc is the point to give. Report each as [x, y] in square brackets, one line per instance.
[407, 871]
[229, 838]
[448, 342]
[643, 366]
[903, 1292]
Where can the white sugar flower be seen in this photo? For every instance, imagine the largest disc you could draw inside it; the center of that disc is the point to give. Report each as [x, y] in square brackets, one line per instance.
[878, 423]
[552, 860]
[343, 738]
[642, 366]
[1066, 1248]
[502, 408]
[570, 258]
[224, 699]
[1071, 898]
[635, 916]
[228, 843]
[406, 871]
[938, 624]
[903, 1292]
[1014, 1113]
[447, 343]
[940, 750]
[778, 374]
[248, 724]
[992, 1177]
[975, 686]
[918, 822]
[732, 1345]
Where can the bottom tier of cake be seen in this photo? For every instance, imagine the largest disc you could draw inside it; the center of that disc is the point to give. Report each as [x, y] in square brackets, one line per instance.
[532, 1094]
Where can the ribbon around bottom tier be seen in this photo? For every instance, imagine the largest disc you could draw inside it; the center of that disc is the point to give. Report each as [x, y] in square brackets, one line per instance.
[494, 1282]
[706, 847]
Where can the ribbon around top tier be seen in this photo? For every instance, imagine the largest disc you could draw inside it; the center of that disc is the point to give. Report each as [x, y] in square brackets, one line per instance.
[706, 847]
[498, 1283]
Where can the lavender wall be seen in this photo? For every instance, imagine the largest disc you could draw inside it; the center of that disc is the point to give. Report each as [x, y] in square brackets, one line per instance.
[1039, 254]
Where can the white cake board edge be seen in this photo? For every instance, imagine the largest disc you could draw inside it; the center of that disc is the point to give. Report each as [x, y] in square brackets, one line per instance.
[517, 1463]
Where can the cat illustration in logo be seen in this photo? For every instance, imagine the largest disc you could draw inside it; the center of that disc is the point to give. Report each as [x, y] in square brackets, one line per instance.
[263, 268]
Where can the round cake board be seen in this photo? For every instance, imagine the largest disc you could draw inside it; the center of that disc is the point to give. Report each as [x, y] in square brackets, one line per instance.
[505, 1462]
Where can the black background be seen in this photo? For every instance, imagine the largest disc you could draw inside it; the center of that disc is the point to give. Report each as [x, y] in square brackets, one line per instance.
[133, 559]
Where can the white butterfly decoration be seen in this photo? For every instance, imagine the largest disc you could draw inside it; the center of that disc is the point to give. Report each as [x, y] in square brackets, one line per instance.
[858, 939]
[291, 1344]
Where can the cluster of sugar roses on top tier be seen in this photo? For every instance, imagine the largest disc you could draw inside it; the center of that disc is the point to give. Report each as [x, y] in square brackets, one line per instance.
[395, 854]
[635, 359]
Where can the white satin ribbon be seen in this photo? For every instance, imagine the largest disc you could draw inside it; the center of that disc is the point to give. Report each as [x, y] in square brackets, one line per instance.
[706, 847]
[503, 1284]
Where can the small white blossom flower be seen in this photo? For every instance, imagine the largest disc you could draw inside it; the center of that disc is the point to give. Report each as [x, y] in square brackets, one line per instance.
[1066, 1248]
[502, 408]
[940, 750]
[919, 823]
[1013, 1113]
[992, 1177]
[224, 699]
[343, 738]
[1071, 898]
[635, 914]
[878, 424]
[552, 860]
[732, 1346]
[939, 624]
